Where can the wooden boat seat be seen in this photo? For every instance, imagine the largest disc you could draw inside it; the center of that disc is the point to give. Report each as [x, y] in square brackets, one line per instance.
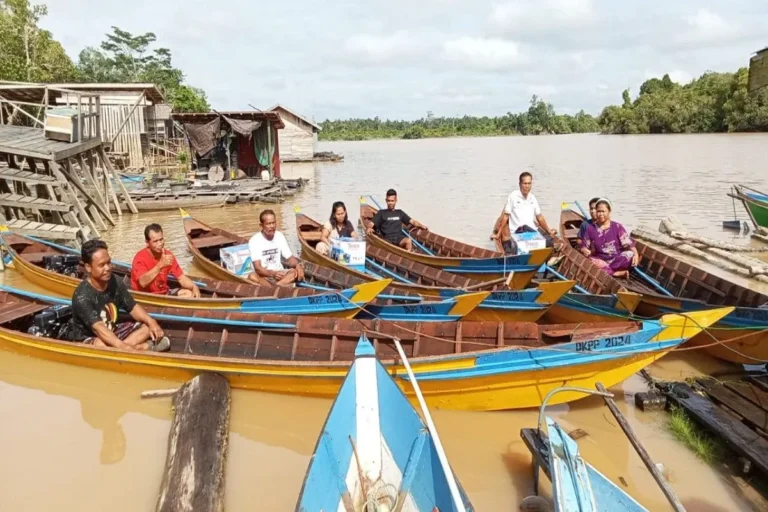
[311, 236]
[14, 309]
[213, 241]
[36, 258]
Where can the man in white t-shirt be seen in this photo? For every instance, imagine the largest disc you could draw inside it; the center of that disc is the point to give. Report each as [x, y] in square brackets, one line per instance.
[268, 248]
[524, 214]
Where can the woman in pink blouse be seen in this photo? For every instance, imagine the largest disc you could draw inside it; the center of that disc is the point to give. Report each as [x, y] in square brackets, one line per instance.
[607, 244]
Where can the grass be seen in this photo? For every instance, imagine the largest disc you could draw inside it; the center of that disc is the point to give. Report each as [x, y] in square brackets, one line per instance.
[686, 431]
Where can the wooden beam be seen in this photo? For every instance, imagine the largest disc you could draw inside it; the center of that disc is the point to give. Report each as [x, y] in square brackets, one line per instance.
[97, 197]
[130, 113]
[75, 149]
[72, 196]
[108, 165]
[90, 204]
[108, 189]
[79, 186]
[19, 109]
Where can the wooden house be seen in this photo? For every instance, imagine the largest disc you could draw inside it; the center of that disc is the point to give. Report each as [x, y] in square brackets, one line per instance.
[298, 140]
[758, 70]
[128, 114]
[244, 140]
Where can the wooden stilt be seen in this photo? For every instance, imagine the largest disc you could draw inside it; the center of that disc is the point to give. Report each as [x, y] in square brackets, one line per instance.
[72, 196]
[96, 197]
[108, 190]
[90, 205]
[108, 166]
[76, 182]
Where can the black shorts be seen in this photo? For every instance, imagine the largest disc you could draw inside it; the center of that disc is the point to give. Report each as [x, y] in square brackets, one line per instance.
[395, 239]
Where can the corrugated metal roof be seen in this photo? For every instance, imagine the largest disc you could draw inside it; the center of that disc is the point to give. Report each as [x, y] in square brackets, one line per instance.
[205, 117]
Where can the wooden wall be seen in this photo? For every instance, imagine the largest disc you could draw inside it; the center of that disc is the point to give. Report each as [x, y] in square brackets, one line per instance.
[758, 71]
[296, 142]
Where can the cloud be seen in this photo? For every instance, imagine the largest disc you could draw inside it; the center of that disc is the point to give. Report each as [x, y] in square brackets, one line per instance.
[484, 54]
[543, 16]
[381, 49]
[706, 28]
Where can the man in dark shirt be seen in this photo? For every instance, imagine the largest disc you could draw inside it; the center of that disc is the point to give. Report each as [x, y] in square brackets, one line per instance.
[388, 224]
[95, 305]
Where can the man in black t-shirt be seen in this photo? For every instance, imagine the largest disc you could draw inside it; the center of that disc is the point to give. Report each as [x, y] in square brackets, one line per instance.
[388, 224]
[95, 306]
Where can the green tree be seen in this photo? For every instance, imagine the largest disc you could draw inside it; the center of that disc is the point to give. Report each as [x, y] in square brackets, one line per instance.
[27, 52]
[124, 57]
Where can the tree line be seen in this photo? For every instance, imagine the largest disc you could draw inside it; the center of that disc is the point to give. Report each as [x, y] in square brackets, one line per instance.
[29, 53]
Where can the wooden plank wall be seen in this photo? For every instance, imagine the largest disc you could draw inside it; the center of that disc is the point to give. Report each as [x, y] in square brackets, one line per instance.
[296, 143]
[129, 140]
[758, 71]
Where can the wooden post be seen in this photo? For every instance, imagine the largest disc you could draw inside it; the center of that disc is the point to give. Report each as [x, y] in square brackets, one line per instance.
[665, 487]
[73, 199]
[89, 203]
[97, 197]
[108, 190]
[197, 445]
[108, 166]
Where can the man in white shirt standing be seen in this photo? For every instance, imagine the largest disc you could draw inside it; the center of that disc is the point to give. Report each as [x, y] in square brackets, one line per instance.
[268, 248]
[523, 214]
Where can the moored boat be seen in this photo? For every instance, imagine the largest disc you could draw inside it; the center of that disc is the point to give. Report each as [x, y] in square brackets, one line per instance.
[474, 262]
[375, 451]
[459, 365]
[54, 269]
[741, 337]
[755, 203]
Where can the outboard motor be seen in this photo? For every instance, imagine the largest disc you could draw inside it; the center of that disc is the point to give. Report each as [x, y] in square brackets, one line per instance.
[49, 322]
[65, 264]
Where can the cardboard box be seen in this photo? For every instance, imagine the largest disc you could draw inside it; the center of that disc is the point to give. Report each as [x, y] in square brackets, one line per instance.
[526, 242]
[348, 251]
[236, 259]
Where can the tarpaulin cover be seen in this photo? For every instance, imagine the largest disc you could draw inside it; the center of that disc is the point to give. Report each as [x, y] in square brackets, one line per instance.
[242, 127]
[203, 137]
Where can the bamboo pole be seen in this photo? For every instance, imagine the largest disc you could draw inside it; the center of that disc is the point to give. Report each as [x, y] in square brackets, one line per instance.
[442, 457]
[665, 487]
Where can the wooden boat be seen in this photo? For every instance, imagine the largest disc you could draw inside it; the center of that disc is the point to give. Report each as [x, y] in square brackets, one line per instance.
[576, 484]
[166, 202]
[30, 256]
[374, 448]
[692, 289]
[755, 202]
[466, 260]
[459, 365]
[526, 305]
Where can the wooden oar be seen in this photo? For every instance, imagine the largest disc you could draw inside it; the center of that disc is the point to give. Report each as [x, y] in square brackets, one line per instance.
[452, 485]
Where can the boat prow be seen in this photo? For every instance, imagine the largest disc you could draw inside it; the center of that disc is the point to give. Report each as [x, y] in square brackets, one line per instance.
[687, 325]
[375, 448]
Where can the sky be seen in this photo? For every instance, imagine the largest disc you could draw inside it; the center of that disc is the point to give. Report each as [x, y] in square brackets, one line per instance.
[399, 59]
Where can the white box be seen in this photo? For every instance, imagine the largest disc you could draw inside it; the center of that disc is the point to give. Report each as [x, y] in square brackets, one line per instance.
[526, 242]
[348, 251]
[236, 259]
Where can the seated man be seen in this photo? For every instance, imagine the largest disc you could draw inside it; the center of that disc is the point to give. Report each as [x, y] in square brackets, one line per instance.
[388, 224]
[95, 305]
[586, 223]
[523, 212]
[151, 266]
[268, 247]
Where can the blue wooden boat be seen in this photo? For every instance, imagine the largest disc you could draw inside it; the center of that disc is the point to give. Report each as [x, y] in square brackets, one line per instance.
[375, 451]
[576, 485]
[448, 310]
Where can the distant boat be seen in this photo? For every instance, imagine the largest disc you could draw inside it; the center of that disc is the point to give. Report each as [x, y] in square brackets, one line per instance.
[375, 453]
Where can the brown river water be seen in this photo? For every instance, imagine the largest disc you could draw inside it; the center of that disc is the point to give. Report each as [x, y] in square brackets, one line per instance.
[79, 439]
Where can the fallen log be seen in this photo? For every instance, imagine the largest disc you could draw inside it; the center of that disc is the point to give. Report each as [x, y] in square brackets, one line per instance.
[197, 447]
[671, 226]
[686, 248]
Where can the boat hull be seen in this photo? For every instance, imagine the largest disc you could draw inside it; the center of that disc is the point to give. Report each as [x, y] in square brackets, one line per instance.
[505, 378]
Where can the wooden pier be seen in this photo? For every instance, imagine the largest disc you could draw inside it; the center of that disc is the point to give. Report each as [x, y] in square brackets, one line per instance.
[55, 188]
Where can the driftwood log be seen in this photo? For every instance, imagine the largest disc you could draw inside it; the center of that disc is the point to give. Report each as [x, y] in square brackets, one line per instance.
[672, 227]
[690, 250]
[197, 446]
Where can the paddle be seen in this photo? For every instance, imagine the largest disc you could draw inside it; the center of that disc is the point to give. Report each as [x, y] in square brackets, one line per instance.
[159, 316]
[452, 485]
